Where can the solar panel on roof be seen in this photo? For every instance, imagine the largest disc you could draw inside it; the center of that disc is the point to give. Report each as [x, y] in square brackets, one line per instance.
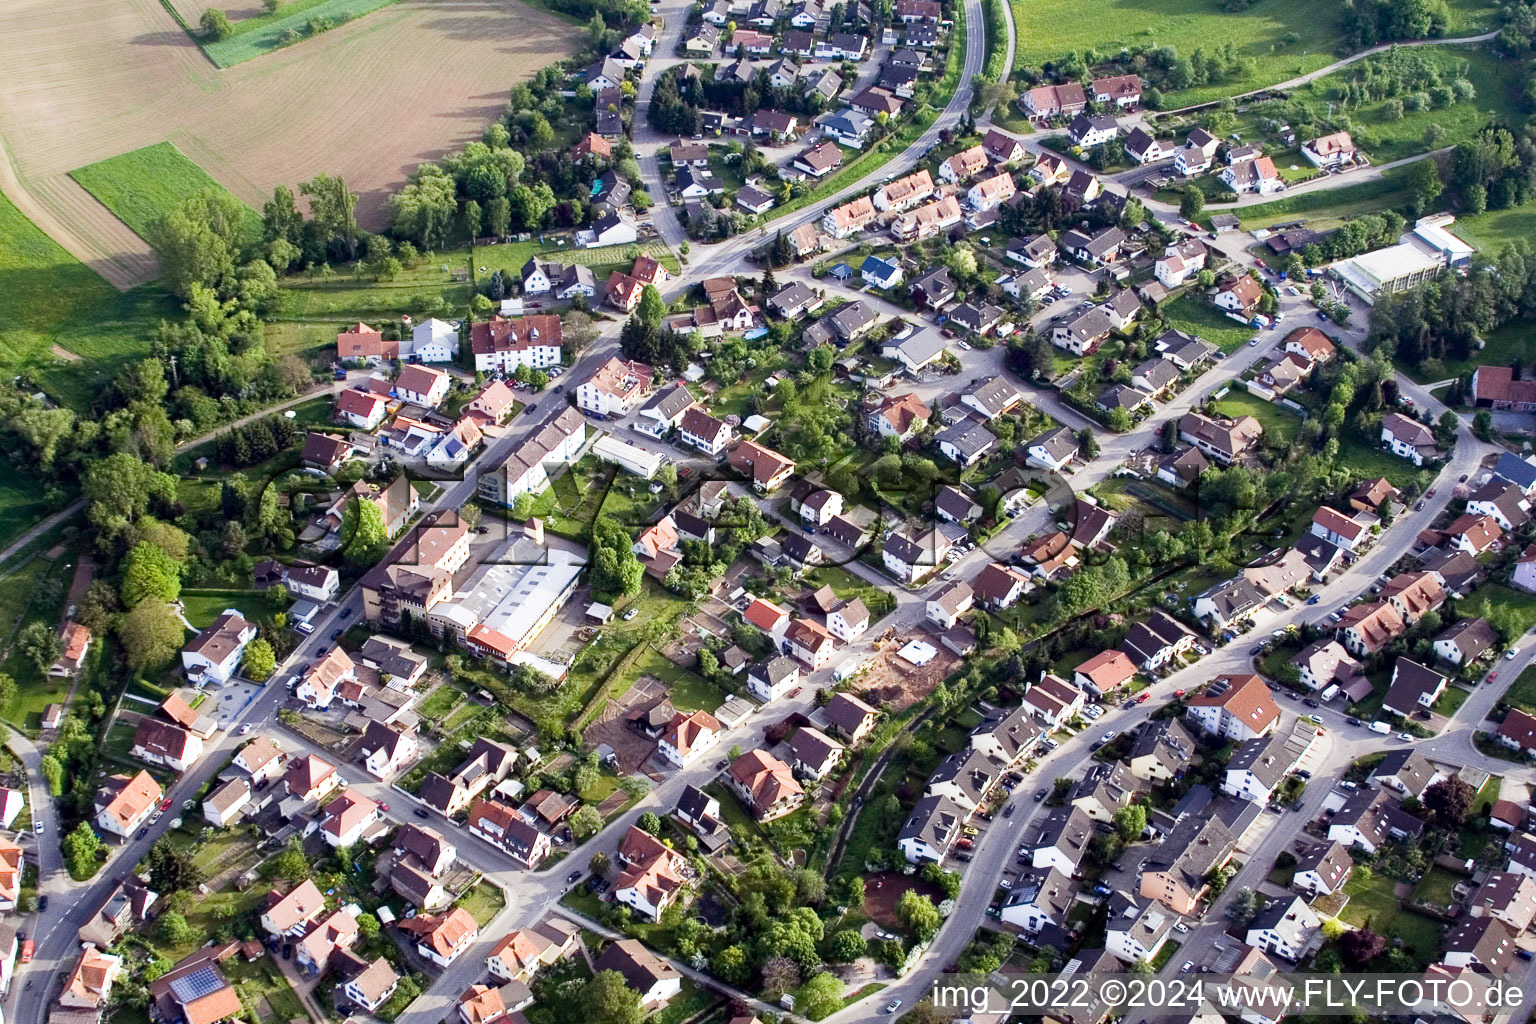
[201, 982]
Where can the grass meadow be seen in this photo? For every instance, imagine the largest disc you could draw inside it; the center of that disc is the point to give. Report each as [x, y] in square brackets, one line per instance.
[1497, 100]
[142, 186]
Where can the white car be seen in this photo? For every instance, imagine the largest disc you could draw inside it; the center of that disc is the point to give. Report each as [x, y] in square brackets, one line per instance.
[1511, 654]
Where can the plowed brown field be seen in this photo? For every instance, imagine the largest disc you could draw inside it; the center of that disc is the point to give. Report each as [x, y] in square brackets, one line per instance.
[89, 79]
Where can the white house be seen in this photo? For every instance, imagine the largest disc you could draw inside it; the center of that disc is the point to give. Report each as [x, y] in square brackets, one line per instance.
[1255, 175]
[688, 737]
[387, 749]
[346, 819]
[1180, 262]
[434, 341]
[422, 385]
[1197, 153]
[771, 678]
[1054, 450]
[1285, 928]
[214, 655]
[1408, 439]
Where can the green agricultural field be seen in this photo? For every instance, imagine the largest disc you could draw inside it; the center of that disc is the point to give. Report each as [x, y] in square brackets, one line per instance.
[62, 325]
[1283, 41]
[1050, 29]
[253, 37]
[1497, 100]
[142, 186]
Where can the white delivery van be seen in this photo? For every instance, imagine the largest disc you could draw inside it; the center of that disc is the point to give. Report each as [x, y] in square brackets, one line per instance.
[1381, 727]
[1330, 693]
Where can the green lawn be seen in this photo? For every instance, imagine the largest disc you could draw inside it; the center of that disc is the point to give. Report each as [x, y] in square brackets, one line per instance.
[202, 607]
[1373, 904]
[1437, 886]
[1515, 340]
[1522, 692]
[142, 186]
[848, 586]
[1497, 100]
[253, 37]
[1326, 208]
[1513, 611]
[1192, 314]
[1495, 229]
[1278, 421]
[689, 692]
[63, 327]
[262, 982]
[483, 901]
[25, 603]
[1370, 460]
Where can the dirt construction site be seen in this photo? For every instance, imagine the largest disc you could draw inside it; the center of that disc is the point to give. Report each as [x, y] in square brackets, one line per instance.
[891, 682]
[368, 100]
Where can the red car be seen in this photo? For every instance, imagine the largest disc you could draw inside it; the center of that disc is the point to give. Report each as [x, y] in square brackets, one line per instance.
[965, 843]
[384, 807]
[1178, 693]
[1142, 699]
[795, 692]
[165, 804]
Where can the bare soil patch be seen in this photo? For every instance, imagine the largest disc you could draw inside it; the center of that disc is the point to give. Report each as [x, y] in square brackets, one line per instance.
[882, 892]
[894, 683]
[369, 100]
[65, 354]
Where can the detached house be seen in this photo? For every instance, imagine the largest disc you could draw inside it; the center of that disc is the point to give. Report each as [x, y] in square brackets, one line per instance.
[1234, 707]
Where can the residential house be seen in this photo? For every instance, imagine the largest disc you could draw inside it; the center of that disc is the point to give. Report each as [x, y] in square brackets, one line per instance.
[1065, 100]
[503, 827]
[814, 753]
[964, 165]
[1330, 151]
[654, 875]
[1323, 869]
[1414, 688]
[1367, 628]
[946, 607]
[1409, 439]
[213, 656]
[655, 980]
[1254, 175]
[347, 819]
[1323, 663]
[849, 717]
[700, 430]
[1104, 672]
[442, 938]
[1225, 440]
[765, 785]
[1234, 707]
[122, 803]
[688, 736]
[1176, 873]
[1285, 927]
[1197, 154]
